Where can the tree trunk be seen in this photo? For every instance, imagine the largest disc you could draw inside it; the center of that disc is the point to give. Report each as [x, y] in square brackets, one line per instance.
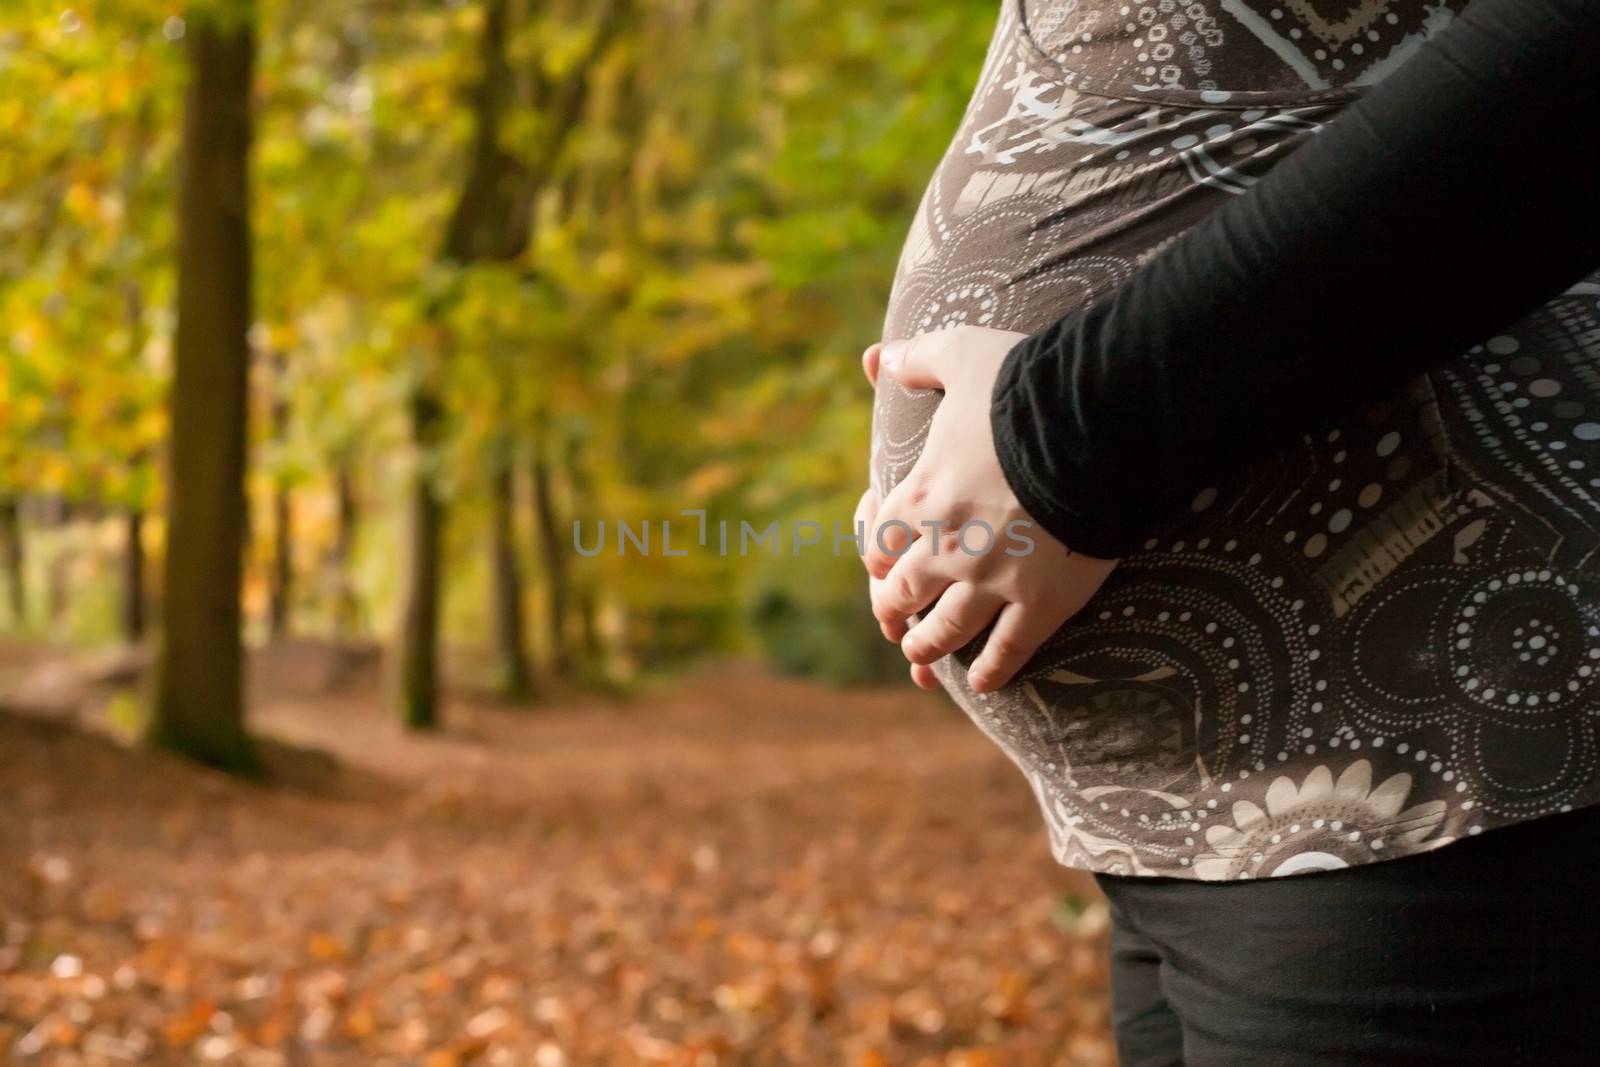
[282, 588]
[280, 598]
[491, 222]
[419, 628]
[514, 677]
[11, 550]
[346, 611]
[198, 706]
[590, 656]
[553, 556]
[11, 556]
[133, 577]
[475, 231]
[132, 608]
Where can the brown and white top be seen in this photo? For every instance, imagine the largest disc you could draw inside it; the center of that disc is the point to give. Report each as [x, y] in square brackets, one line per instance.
[1378, 641]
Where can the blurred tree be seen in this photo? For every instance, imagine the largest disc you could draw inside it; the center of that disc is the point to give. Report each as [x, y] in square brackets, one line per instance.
[281, 586]
[198, 706]
[514, 678]
[492, 223]
[132, 615]
[553, 557]
[11, 554]
[479, 228]
[346, 606]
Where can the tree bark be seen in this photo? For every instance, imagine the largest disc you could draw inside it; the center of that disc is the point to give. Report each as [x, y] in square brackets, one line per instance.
[419, 627]
[476, 230]
[280, 598]
[553, 557]
[590, 657]
[491, 221]
[198, 707]
[514, 678]
[346, 611]
[12, 551]
[132, 606]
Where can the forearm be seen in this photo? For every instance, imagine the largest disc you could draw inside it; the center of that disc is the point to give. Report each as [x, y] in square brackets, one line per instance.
[1451, 199]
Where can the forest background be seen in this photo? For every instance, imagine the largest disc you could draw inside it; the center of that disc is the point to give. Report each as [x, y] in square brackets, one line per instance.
[510, 264]
[322, 322]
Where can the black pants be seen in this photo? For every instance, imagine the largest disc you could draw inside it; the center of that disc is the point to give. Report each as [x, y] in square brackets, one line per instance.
[1485, 952]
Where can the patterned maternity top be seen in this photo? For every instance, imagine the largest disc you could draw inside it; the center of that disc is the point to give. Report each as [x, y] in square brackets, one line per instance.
[1374, 643]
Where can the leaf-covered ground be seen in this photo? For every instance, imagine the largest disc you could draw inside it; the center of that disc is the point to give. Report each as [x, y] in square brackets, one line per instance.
[734, 870]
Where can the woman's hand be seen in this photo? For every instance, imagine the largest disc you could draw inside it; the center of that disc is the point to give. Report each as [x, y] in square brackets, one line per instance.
[953, 530]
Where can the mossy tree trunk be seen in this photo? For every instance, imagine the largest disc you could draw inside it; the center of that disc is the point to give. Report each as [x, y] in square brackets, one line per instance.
[198, 703]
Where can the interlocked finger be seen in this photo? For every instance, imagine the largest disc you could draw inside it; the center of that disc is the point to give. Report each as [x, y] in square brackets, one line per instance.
[960, 615]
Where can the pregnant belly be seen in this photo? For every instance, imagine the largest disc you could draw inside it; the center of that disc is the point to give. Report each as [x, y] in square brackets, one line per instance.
[1216, 645]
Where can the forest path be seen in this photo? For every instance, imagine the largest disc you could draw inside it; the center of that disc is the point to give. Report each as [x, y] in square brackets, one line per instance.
[734, 869]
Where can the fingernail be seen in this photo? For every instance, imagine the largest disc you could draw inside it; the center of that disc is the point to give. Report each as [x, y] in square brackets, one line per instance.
[911, 649]
[981, 681]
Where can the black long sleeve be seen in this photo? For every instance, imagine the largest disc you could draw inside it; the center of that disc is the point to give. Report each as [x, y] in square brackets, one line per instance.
[1452, 198]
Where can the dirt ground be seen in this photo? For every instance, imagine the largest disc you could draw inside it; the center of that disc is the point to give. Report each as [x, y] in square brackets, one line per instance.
[735, 869]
